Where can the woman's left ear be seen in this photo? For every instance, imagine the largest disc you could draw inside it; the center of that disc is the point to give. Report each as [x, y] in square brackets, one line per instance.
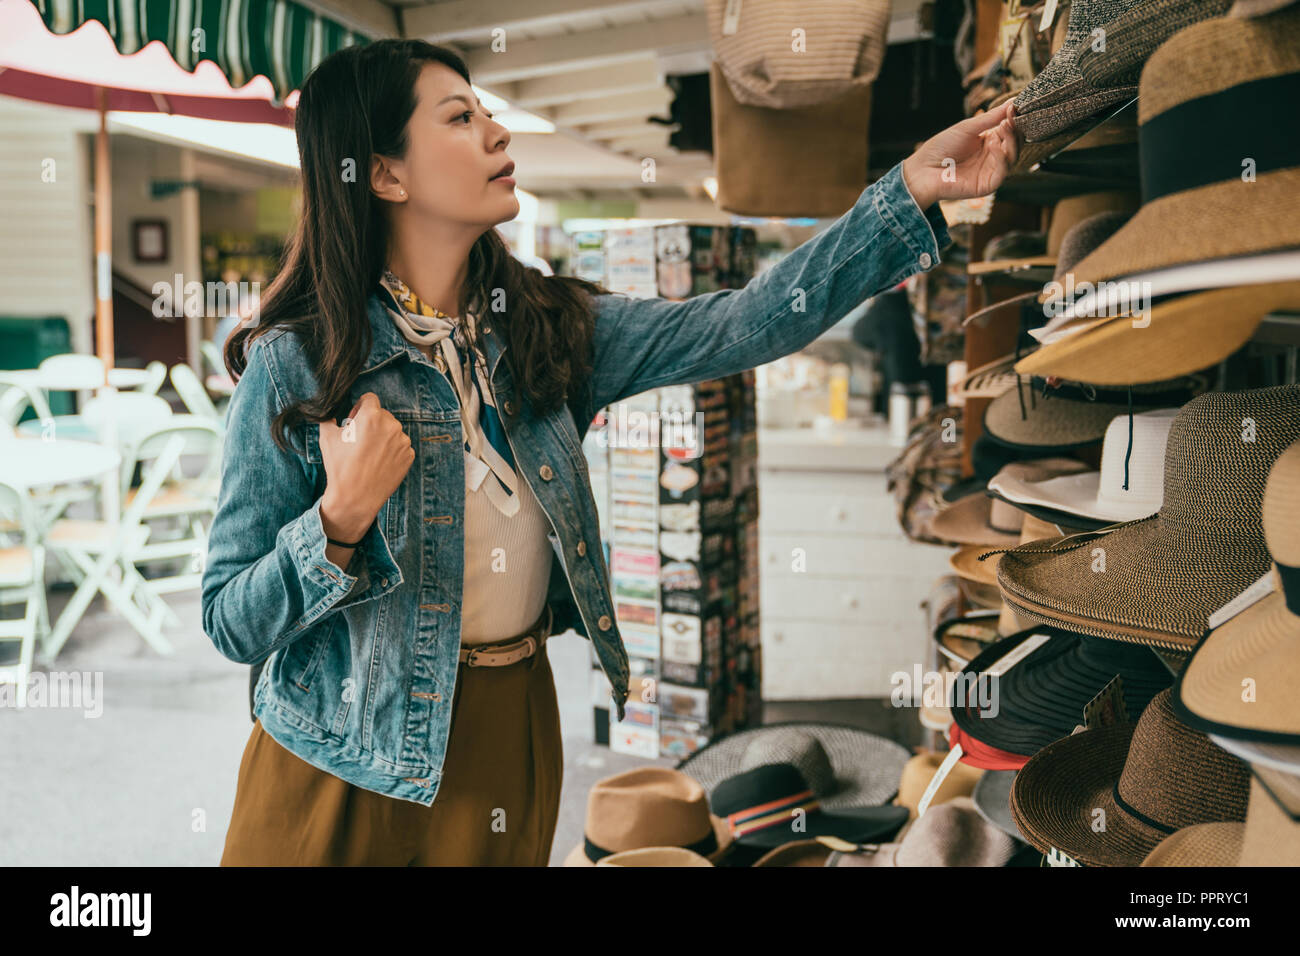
[383, 183]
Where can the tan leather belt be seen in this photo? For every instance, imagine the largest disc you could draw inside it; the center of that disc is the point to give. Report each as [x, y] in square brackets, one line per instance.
[501, 655]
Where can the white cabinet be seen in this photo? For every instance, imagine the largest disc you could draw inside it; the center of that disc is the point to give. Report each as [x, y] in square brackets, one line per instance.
[841, 586]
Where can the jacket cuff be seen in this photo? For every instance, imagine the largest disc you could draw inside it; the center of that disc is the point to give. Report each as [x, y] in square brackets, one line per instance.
[924, 233]
[377, 573]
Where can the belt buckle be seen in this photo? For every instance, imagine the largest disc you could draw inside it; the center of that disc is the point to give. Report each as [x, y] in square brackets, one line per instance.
[471, 659]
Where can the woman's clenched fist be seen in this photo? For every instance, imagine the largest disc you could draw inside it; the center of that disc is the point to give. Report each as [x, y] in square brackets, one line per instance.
[365, 460]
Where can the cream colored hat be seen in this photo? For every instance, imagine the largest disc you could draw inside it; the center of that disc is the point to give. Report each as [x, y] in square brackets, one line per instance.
[655, 856]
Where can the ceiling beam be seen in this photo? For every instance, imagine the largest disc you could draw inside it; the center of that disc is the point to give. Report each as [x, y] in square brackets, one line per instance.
[562, 54]
[542, 91]
[371, 17]
[611, 108]
[474, 20]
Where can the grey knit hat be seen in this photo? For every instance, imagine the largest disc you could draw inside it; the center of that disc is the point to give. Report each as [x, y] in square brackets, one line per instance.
[1134, 35]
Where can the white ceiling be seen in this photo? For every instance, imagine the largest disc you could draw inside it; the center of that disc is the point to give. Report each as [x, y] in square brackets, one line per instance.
[594, 68]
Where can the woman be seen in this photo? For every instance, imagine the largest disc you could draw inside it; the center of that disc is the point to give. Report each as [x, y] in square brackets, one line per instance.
[399, 570]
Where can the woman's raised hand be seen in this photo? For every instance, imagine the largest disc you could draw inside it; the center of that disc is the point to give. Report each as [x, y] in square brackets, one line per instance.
[365, 460]
[970, 158]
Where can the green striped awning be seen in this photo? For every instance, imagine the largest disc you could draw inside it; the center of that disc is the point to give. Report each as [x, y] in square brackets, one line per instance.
[280, 39]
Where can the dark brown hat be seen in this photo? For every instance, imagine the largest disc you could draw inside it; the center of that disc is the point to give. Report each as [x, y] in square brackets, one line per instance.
[1162, 577]
[1108, 796]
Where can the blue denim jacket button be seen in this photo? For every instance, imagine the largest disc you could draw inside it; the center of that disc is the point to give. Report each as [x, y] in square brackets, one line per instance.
[925, 260]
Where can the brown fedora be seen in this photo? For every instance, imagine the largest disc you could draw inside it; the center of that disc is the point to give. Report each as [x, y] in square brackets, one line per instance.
[1158, 580]
[1108, 796]
[1242, 678]
[649, 807]
[1199, 202]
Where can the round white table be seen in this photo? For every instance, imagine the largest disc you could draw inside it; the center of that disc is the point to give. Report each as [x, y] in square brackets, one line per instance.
[32, 463]
[120, 378]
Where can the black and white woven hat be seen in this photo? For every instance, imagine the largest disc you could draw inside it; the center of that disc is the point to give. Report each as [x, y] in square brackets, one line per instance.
[845, 766]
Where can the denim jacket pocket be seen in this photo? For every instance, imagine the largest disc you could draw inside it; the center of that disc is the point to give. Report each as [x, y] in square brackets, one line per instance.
[303, 657]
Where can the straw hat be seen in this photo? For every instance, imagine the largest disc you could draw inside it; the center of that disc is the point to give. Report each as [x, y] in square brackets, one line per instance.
[920, 770]
[961, 639]
[1137, 33]
[845, 766]
[1130, 484]
[1259, 647]
[965, 561]
[1140, 782]
[1072, 415]
[648, 807]
[1269, 837]
[1083, 236]
[1066, 215]
[1164, 576]
[1236, 77]
[950, 835]
[1176, 336]
[1257, 8]
[1042, 697]
[655, 856]
[1059, 80]
[978, 519]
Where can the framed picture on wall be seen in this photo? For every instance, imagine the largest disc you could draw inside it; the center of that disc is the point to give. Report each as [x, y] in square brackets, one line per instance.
[149, 240]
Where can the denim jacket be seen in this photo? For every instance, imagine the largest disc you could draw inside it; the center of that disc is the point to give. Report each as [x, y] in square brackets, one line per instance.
[361, 664]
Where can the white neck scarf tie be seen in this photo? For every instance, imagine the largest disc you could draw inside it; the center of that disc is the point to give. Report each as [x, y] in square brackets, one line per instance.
[420, 323]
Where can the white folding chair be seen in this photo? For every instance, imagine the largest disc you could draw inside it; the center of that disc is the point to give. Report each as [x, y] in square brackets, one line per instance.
[180, 513]
[22, 580]
[75, 372]
[192, 392]
[94, 552]
[157, 372]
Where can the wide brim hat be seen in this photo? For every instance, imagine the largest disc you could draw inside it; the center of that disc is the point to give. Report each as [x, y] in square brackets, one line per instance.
[1257, 8]
[866, 767]
[992, 378]
[992, 798]
[1166, 575]
[1179, 335]
[773, 804]
[1042, 124]
[962, 639]
[1135, 34]
[1235, 76]
[976, 753]
[1073, 416]
[649, 807]
[977, 519]
[1144, 781]
[1042, 697]
[1128, 486]
[655, 856]
[1258, 648]
[919, 773]
[1269, 837]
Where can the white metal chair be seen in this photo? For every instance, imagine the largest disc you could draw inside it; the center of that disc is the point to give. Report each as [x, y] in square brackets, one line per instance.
[192, 392]
[91, 550]
[78, 371]
[22, 580]
[180, 513]
[157, 372]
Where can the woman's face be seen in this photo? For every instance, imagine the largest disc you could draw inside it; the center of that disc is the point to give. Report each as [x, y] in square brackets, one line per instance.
[454, 149]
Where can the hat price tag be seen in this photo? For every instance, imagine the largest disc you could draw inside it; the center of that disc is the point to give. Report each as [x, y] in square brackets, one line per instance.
[1256, 592]
[1107, 707]
[1056, 858]
[1049, 15]
[936, 781]
[1017, 654]
[731, 18]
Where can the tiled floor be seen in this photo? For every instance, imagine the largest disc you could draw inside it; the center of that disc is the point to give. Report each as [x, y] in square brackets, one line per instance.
[150, 780]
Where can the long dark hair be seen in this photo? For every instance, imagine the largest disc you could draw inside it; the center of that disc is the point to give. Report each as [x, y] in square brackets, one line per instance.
[354, 105]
